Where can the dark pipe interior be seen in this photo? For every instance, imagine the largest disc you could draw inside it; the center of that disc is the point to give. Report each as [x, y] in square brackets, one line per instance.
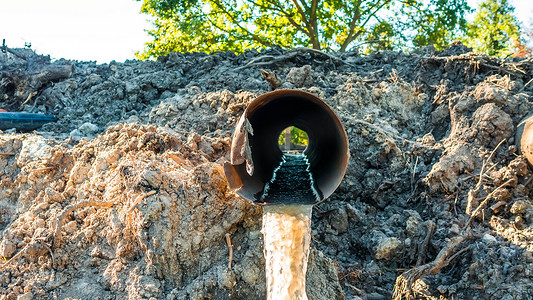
[268, 115]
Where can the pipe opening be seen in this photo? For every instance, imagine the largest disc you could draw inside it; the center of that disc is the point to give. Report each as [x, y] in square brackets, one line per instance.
[256, 154]
[293, 140]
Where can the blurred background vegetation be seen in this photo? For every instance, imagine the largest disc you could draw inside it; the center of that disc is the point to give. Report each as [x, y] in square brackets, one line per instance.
[297, 137]
[332, 25]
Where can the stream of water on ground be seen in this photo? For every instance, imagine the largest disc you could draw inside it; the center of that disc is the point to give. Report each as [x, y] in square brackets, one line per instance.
[287, 227]
[287, 234]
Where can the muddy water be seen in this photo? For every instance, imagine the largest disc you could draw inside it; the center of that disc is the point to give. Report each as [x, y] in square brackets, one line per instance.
[287, 234]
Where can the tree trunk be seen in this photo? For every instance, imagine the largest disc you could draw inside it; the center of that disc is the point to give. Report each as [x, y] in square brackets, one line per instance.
[287, 138]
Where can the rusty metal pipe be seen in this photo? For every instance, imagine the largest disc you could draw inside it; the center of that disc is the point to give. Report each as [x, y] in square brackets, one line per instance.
[255, 152]
[524, 138]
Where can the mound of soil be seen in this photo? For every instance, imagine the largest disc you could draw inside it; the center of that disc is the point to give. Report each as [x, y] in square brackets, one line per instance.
[125, 196]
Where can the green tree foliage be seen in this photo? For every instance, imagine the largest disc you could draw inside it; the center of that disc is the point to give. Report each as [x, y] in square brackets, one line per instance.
[298, 137]
[494, 31]
[331, 25]
[442, 21]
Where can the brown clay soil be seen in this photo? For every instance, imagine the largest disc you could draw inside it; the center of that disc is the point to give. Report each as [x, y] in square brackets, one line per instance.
[125, 197]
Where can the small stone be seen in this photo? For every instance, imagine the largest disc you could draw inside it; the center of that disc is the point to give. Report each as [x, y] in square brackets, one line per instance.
[527, 256]
[388, 248]
[454, 229]
[489, 239]
[88, 128]
[354, 214]
[25, 296]
[153, 177]
[377, 92]
[39, 223]
[7, 249]
[182, 103]
[300, 76]
[33, 148]
[226, 278]
[440, 114]
[85, 130]
[339, 220]
[75, 135]
[519, 222]
[464, 104]
[519, 207]
[411, 225]
[133, 119]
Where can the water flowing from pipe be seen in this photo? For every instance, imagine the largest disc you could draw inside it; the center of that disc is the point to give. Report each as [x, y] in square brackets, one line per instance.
[287, 185]
[287, 235]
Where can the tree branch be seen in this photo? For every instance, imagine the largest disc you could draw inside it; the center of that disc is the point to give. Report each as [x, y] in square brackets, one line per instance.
[304, 4]
[313, 32]
[355, 18]
[356, 35]
[314, 23]
[375, 11]
[243, 37]
[281, 10]
[314, 5]
[301, 11]
[234, 21]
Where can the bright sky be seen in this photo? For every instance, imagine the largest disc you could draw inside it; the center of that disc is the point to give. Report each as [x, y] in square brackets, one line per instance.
[101, 30]
[523, 9]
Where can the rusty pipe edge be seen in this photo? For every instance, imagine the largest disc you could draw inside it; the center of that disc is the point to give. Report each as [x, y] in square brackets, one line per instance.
[255, 151]
[524, 138]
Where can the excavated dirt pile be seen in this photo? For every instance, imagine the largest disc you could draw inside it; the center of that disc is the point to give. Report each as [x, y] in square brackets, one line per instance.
[124, 196]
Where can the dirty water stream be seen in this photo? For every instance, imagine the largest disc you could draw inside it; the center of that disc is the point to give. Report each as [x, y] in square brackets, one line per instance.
[287, 227]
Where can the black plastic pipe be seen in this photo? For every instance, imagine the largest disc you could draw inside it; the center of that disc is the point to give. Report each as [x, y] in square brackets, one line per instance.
[255, 151]
[24, 121]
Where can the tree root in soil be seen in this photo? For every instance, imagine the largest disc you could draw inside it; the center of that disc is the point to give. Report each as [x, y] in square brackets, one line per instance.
[230, 248]
[403, 287]
[480, 61]
[424, 246]
[472, 194]
[35, 243]
[266, 60]
[71, 208]
[139, 199]
[14, 258]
